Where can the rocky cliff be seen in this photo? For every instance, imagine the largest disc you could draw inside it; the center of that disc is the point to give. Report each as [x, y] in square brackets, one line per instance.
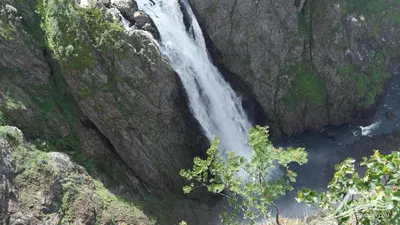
[310, 63]
[73, 80]
[48, 188]
[121, 84]
[39, 187]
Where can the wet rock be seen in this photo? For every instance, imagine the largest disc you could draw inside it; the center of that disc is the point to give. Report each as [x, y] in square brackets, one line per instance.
[144, 22]
[126, 7]
[390, 115]
[331, 134]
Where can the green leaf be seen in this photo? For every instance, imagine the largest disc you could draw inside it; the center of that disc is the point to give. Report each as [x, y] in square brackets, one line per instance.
[216, 188]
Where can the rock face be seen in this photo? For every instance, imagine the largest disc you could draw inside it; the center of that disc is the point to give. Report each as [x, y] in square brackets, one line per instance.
[144, 22]
[48, 188]
[103, 96]
[126, 7]
[124, 87]
[310, 63]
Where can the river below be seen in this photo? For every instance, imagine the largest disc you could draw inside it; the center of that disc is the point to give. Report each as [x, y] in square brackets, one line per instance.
[324, 151]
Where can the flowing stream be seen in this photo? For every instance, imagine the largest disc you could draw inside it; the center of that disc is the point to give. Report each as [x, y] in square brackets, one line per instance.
[212, 101]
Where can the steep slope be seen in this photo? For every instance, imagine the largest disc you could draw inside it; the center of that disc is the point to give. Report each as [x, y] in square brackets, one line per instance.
[48, 188]
[309, 62]
[123, 85]
[75, 82]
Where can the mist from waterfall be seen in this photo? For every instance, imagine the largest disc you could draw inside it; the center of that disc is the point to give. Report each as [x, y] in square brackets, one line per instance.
[212, 101]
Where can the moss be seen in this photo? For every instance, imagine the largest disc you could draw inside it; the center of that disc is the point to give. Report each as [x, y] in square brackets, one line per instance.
[365, 7]
[368, 86]
[36, 171]
[306, 86]
[116, 208]
[246, 60]
[304, 27]
[374, 11]
[6, 31]
[75, 34]
[210, 10]
[12, 135]
[36, 166]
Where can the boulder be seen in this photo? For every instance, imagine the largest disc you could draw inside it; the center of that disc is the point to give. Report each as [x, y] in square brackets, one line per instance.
[126, 7]
[390, 115]
[144, 22]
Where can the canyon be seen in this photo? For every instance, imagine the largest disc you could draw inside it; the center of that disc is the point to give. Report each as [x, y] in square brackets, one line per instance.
[103, 102]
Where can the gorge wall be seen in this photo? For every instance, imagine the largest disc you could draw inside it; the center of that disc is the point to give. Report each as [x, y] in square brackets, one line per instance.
[310, 63]
[73, 80]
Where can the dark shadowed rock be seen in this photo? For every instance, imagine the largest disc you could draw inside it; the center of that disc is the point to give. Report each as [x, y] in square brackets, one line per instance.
[390, 115]
[126, 7]
[144, 22]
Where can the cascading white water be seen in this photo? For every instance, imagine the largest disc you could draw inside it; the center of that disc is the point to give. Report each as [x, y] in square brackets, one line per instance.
[212, 101]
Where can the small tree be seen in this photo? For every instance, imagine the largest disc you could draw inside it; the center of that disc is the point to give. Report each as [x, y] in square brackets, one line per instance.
[351, 199]
[250, 194]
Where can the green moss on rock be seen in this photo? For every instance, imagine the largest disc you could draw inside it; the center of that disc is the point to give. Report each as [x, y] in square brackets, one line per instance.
[50, 185]
[370, 85]
[7, 30]
[307, 86]
[75, 33]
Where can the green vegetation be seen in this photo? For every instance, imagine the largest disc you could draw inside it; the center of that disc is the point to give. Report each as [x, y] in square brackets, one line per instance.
[351, 199]
[366, 7]
[75, 34]
[305, 27]
[306, 87]
[258, 191]
[47, 113]
[210, 10]
[250, 189]
[368, 85]
[7, 30]
[36, 172]
[374, 11]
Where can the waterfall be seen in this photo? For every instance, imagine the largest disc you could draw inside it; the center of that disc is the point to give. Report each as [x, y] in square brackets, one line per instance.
[212, 101]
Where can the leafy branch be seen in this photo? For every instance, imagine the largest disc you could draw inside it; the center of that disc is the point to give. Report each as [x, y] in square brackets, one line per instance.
[372, 199]
[246, 183]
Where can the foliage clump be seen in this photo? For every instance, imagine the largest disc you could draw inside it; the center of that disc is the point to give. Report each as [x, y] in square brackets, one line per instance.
[246, 183]
[350, 199]
[353, 199]
[7, 30]
[75, 33]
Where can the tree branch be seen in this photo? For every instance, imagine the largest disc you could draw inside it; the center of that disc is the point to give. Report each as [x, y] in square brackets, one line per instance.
[277, 214]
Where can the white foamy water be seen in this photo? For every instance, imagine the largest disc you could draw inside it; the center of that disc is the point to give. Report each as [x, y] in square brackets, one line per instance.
[124, 21]
[365, 131]
[84, 3]
[212, 101]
